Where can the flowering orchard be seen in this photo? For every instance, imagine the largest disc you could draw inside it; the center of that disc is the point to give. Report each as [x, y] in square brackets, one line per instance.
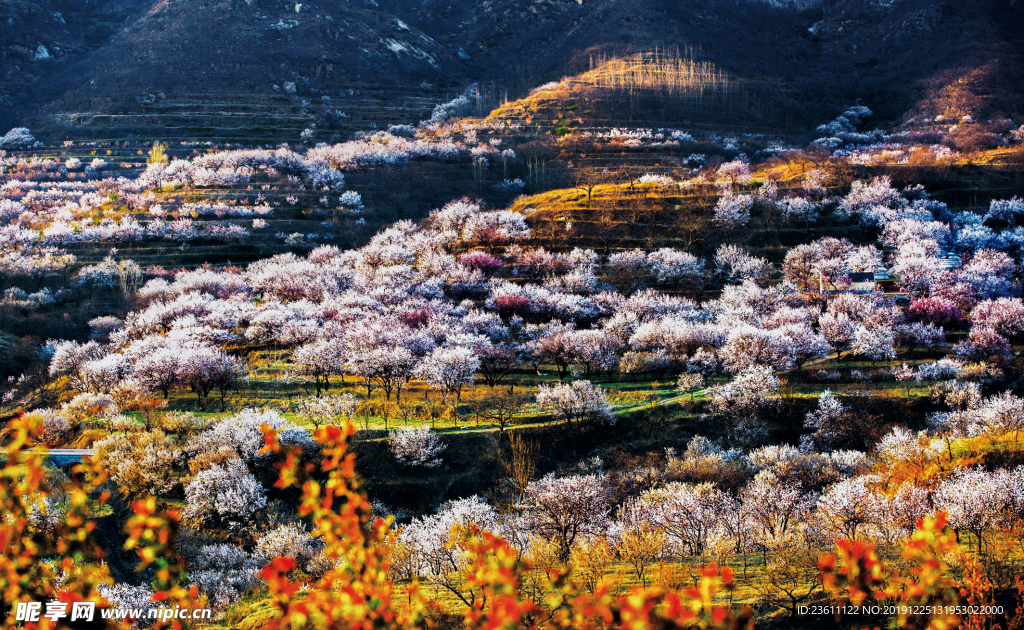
[498, 586]
[767, 381]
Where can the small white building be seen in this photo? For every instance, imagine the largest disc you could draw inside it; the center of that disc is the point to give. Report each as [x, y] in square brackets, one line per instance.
[864, 282]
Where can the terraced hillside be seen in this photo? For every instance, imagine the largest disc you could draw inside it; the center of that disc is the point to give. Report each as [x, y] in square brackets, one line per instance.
[240, 116]
[660, 89]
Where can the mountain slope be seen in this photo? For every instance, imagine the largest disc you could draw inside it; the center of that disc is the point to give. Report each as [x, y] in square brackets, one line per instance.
[208, 68]
[39, 38]
[892, 53]
[202, 63]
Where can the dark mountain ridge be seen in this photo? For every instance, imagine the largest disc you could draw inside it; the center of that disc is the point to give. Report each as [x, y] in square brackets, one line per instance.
[198, 67]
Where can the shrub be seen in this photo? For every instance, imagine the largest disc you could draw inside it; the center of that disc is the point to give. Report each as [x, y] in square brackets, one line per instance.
[141, 463]
[290, 541]
[88, 405]
[55, 428]
[17, 138]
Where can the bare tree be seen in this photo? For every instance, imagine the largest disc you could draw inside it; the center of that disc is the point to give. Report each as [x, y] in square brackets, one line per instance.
[588, 178]
[790, 577]
[520, 464]
[502, 407]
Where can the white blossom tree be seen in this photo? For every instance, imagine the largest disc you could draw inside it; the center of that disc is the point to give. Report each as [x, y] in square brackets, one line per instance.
[826, 422]
[689, 383]
[679, 268]
[224, 573]
[848, 506]
[774, 510]
[748, 346]
[160, 370]
[291, 540]
[565, 509]
[135, 599]
[689, 513]
[1002, 315]
[627, 270]
[839, 330]
[752, 392]
[327, 410]
[449, 369]
[877, 343]
[320, 360]
[387, 367]
[733, 211]
[242, 434]
[976, 500]
[205, 368]
[427, 552]
[896, 518]
[225, 496]
[579, 403]
[736, 265]
[999, 415]
[735, 172]
[416, 446]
